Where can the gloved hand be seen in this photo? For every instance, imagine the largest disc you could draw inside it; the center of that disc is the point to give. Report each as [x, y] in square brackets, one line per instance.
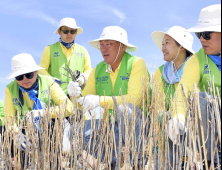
[89, 102]
[74, 89]
[20, 137]
[57, 81]
[179, 129]
[35, 114]
[81, 80]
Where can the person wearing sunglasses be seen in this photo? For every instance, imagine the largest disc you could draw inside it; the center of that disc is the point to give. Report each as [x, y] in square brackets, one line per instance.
[28, 94]
[204, 70]
[176, 45]
[66, 52]
[119, 74]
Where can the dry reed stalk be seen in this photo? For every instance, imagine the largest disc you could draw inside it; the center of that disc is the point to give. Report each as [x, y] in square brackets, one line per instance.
[202, 131]
[47, 146]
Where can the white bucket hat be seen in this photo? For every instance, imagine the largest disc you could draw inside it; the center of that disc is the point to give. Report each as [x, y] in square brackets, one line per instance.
[22, 64]
[71, 23]
[180, 34]
[114, 33]
[209, 19]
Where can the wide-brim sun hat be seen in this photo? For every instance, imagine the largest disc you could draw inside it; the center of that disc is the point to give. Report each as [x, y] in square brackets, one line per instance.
[71, 23]
[117, 34]
[22, 64]
[209, 20]
[179, 34]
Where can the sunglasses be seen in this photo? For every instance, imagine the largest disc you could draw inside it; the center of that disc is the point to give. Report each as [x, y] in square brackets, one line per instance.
[27, 75]
[205, 35]
[67, 31]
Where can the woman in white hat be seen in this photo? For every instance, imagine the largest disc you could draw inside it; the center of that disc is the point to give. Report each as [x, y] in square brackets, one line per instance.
[28, 93]
[176, 45]
[119, 70]
[66, 52]
[204, 67]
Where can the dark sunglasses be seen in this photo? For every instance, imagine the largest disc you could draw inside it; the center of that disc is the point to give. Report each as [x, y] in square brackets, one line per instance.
[27, 75]
[205, 35]
[67, 31]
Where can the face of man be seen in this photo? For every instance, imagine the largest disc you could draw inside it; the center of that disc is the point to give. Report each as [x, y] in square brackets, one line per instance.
[67, 37]
[213, 45]
[27, 83]
[110, 49]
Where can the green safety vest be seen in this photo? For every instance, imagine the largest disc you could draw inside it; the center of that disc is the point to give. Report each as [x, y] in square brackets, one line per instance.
[207, 71]
[103, 81]
[1, 112]
[58, 60]
[44, 83]
[168, 89]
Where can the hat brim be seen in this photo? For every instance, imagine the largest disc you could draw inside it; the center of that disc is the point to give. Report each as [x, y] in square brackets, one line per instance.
[16, 73]
[129, 47]
[201, 28]
[158, 40]
[79, 29]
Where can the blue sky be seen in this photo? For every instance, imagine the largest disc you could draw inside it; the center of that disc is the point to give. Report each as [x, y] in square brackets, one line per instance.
[27, 26]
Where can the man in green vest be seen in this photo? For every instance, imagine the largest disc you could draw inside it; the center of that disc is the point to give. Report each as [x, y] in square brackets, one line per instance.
[120, 75]
[203, 67]
[28, 94]
[65, 52]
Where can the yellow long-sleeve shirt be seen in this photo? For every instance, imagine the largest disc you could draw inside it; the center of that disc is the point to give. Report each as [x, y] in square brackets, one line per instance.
[160, 89]
[45, 60]
[58, 96]
[135, 85]
[191, 75]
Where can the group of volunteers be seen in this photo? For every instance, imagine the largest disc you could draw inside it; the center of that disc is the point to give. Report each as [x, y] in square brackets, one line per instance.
[120, 74]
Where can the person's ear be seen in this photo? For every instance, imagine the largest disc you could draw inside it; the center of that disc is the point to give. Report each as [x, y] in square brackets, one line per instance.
[182, 49]
[59, 31]
[123, 47]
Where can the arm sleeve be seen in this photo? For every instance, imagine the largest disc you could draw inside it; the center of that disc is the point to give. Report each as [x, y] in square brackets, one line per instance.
[61, 100]
[191, 75]
[159, 90]
[9, 112]
[135, 87]
[91, 84]
[45, 61]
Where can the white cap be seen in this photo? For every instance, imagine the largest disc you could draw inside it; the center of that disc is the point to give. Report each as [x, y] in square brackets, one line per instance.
[114, 33]
[22, 64]
[209, 20]
[71, 23]
[179, 34]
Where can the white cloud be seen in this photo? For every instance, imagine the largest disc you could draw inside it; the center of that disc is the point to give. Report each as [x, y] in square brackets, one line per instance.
[26, 9]
[119, 14]
[98, 10]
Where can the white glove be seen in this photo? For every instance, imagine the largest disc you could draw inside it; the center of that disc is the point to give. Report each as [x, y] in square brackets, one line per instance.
[20, 137]
[34, 114]
[89, 102]
[179, 129]
[81, 80]
[74, 89]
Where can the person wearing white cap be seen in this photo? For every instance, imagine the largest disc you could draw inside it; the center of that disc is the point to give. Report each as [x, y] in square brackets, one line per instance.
[28, 93]
[119, 73]
[66, 52]
[201, 68]
[176, 45]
